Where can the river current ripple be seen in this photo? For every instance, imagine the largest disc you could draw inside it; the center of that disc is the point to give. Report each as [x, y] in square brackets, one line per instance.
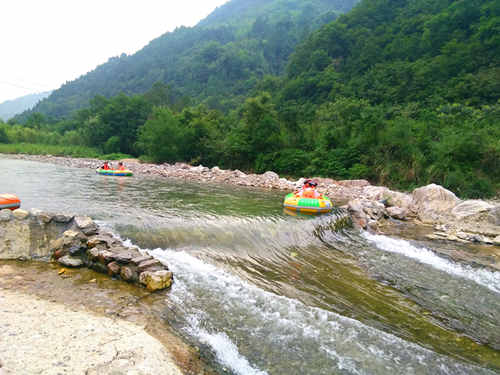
[268, 293]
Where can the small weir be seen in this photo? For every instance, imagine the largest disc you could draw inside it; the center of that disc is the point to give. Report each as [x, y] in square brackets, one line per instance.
[268, 293]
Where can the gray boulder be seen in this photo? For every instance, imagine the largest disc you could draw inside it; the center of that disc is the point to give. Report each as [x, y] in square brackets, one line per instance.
[432, 203]
[469, 208]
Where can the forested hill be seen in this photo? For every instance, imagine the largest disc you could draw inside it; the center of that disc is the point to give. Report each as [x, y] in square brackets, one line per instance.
[245, 12]
[390, 51]
[215, 62]
[403, 92]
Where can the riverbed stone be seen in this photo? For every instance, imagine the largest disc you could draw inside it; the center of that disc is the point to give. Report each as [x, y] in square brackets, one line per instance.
[6, 215]
[122, 257]
[129, 273]
[156, 280]
[86, 225]
[43, 217]
[138, 260]
[99, 267]
[99, 239]
[70, 261]
[148, 263]
[105, 256]
[398, 199]
[113, 268]
[61, 218]
[73, 341]
[21, 214]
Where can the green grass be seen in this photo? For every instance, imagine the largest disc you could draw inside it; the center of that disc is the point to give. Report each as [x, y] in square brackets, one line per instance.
[56, 150]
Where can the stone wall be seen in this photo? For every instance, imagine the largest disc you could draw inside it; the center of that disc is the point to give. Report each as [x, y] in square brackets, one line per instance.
[76, 241]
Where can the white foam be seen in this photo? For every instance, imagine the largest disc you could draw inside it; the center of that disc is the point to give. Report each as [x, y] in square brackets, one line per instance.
[220, 306]
[227, 353]
[484, 277]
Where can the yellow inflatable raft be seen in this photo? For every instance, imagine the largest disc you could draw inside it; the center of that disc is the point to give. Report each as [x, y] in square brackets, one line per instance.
[319, 205]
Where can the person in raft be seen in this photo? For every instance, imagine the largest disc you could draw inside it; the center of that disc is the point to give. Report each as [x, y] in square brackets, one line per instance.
[121, 167]
[105, 166]
[308, 190]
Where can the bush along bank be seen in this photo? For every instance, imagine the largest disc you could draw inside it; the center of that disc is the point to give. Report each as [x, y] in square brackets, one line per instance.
[77, 241]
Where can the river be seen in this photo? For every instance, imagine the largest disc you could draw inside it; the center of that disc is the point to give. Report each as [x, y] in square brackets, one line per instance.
[269, 293]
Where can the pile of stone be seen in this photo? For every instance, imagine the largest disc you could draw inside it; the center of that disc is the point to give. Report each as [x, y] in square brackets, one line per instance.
[77, 241]
[432, 205]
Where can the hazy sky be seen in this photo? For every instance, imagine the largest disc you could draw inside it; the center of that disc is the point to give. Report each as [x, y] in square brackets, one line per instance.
[45, 43]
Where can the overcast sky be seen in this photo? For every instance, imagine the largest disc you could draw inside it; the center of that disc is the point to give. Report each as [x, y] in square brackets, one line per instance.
[45, 43]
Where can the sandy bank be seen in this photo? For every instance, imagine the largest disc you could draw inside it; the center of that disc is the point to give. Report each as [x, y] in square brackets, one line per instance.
[42, 337]
[83, 322]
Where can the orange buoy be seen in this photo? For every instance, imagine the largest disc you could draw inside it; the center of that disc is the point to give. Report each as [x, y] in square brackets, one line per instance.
[9, 201]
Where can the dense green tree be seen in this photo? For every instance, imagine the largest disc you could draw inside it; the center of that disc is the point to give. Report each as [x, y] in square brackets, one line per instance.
[3, 133]
[160, 136]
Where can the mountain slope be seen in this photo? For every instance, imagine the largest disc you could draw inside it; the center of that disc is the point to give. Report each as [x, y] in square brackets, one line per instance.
[406, 50]
[10, 108]
[224, 56]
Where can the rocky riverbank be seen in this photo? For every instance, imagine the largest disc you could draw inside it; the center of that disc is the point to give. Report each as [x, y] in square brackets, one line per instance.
[77, 241]
[371, 207]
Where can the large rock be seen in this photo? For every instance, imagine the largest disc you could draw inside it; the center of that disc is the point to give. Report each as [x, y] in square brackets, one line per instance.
[397, 199]
[374, 209]
[5, 215]
[485, 223]
[356, 209]
[376, 192]
[61, 218]
[469, 208]
[21, 214]
[397, 212]
[70, 261]
[86, 225]
[102, 239]
[432, 203]
[388, 197]
[156, 280]
[128, 273]
[42, 216]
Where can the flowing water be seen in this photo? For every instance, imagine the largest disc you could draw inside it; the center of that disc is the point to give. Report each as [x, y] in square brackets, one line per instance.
[269, 293]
